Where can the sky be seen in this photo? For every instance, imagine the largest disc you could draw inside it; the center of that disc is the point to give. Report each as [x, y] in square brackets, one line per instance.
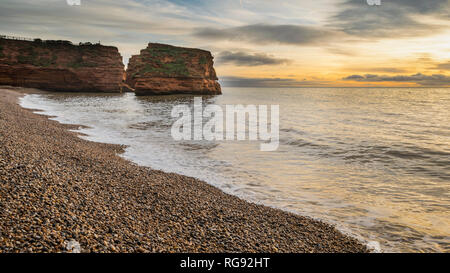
[263, 43]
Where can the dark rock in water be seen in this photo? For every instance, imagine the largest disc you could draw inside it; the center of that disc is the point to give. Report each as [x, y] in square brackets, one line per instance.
[164, 69]
[60, 66]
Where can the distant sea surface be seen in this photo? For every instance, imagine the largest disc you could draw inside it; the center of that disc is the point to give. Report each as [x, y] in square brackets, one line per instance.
[374, 162]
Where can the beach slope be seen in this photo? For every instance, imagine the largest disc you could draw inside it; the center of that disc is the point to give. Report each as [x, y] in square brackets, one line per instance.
[56, 188]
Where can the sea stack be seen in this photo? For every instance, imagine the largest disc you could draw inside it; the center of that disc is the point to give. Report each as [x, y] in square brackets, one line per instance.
[164, 69]
[60, 66]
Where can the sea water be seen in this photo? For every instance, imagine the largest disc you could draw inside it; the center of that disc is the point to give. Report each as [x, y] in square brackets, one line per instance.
[375, 162]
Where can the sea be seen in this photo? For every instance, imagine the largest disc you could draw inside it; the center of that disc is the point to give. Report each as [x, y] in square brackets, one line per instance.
[374, 162]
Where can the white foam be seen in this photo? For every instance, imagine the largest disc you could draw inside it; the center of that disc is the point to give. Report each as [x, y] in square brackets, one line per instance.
[374, 246]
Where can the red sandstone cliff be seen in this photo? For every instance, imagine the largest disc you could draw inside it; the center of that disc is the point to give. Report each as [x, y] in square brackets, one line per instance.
[163, 69]
[60, 66]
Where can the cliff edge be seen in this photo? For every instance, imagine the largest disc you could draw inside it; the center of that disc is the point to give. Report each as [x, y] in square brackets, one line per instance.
[60, 66]
[163, 69]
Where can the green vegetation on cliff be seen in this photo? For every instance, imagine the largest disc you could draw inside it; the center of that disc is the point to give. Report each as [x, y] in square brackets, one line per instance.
[203, 60]
[79, 63]
[165, 62]
[177, 68]
[30, 56]
[44, 53]
[168, 51]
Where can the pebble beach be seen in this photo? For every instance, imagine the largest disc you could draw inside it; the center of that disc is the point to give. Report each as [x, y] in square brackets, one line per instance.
[60, 193]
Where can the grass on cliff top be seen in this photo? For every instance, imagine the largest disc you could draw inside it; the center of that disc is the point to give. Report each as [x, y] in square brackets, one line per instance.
[174, 52]
[44, 53]
[47, 58]
[174, 69]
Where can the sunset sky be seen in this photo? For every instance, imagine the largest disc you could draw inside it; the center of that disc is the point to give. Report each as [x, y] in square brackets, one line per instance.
[263, 43]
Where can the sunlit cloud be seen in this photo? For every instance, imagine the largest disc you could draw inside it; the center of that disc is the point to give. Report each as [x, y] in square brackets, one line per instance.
[443, 66]
[421, 79]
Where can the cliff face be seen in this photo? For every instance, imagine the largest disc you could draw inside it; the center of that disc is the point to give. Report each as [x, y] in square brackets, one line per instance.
[60, 66]
[164, 69]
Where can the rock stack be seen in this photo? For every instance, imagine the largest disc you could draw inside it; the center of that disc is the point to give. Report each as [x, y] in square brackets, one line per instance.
[164, 69]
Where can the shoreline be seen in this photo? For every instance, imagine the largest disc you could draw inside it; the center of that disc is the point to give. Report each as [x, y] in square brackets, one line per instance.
[57, 188]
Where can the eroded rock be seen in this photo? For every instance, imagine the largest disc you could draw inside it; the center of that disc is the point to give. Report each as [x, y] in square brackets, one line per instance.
[60, 66]
[164, 69]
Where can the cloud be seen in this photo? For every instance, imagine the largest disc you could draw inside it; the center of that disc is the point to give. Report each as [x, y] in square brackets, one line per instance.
[421, 79]
[270, 34]
[394, 18]
[246, 59]
[268, 82]
[443, 66]
[386, 69]
[342, 51]
[378, 69]
[354, 78]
